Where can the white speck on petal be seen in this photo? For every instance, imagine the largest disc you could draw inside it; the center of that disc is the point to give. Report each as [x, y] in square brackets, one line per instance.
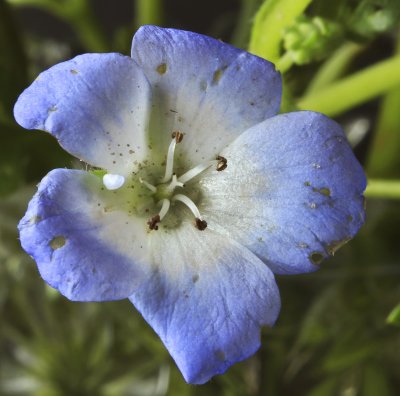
[113, 182]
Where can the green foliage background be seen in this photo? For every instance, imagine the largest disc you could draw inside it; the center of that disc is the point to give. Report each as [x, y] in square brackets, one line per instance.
[339, 329]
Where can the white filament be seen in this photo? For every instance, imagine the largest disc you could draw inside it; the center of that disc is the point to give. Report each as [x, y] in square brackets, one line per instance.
[189, 175]
[164, 209]
[170, 161]
[189, 203]
[148, 185]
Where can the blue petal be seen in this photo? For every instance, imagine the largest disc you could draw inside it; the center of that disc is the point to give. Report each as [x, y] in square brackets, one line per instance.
[204, 88]
[96, 105]
[207, 299]
[74, 240]
[292, 191]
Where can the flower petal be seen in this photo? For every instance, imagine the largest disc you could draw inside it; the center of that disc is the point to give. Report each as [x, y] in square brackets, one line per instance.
[204, 88]
[207, 299]
[76, 241]
[96, 105]
[292, 191]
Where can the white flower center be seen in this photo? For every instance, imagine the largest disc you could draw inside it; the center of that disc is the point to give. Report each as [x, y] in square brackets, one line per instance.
[165, 192]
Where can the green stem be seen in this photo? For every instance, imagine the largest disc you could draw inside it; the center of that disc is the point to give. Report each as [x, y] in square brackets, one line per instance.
[355, 89]
[386, 189]
[270, 21]
[241, 33]
[284, 63]
[383, 158]
[334, 67]
[87, 27]
[148, 12]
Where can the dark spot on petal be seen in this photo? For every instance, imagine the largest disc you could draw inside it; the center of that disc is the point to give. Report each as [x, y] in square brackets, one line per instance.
[307, 183]
[203, 85]
[324, 191]
[57, 242]
[220, 355]
[217, 75]
[73, 71]
[52, 109]
[316, 258]
[195, 278]
[161, 68]
[349, 218]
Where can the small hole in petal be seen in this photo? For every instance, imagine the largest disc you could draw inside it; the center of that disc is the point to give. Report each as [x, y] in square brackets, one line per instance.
[220, 355]
[35, 219]
[218, 74]
[57, 242]
[316, 258]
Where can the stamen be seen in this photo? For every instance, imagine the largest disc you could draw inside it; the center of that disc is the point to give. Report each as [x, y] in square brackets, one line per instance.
[164, 209]
[176, 138]
[148, 185]
[200, 223]
[222, 163]
[153, 222]
[189, 175]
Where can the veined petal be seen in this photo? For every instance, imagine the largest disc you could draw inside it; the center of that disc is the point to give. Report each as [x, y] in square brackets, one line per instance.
[207, 299]
[82, 247]
[96, 105]
[204, 88]
[292, 191]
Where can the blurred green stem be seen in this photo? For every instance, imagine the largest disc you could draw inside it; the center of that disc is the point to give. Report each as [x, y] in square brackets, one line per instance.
[355, 89]
[383, 158]
[284, 63]
[241, 33]
[87, 27]
[148, 12]
[334, 67]
[270, 21]
[386, 189]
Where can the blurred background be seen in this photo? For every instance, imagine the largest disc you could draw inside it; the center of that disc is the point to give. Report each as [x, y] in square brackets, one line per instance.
[339, 329]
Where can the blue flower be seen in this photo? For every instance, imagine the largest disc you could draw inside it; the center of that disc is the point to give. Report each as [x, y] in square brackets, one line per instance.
[203, 193]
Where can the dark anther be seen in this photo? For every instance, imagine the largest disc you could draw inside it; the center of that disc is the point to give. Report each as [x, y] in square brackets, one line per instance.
[178, 136]
[201, 224]
[153, 222]
[222, 163]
